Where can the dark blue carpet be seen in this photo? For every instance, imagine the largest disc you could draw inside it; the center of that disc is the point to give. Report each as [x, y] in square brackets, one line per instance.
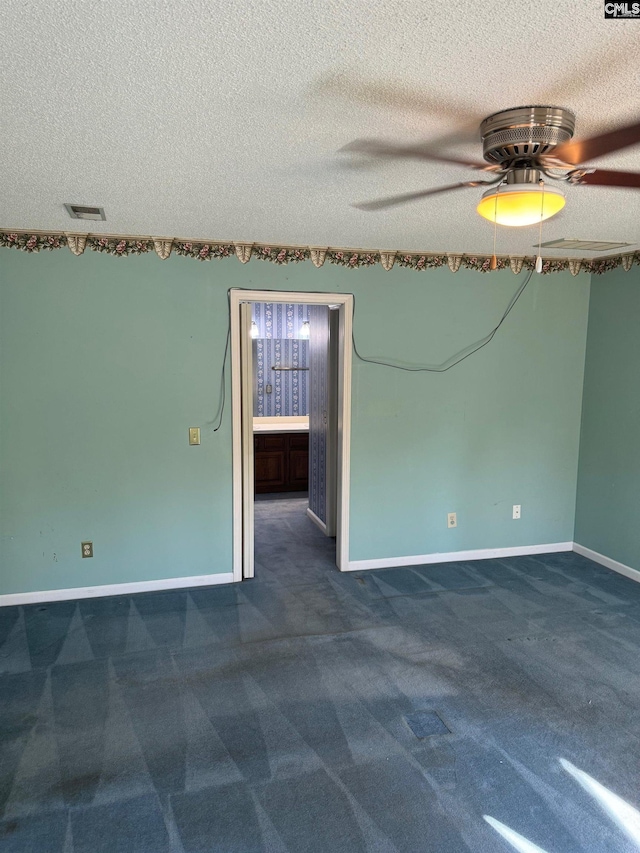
[309, 710]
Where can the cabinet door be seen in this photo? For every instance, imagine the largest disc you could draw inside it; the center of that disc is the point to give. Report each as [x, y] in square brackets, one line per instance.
[271, 471]
[276, 442]
[298, 469]
[281, 462]
[299, 440]
[299, 461]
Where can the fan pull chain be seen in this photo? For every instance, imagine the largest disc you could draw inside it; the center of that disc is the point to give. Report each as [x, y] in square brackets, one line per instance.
[539, 258]
[494, 261]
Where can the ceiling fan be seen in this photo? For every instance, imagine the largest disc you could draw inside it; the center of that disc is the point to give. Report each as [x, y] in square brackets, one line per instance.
[520, 146]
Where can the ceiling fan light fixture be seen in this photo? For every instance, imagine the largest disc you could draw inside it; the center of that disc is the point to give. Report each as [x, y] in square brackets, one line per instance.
[517, 205]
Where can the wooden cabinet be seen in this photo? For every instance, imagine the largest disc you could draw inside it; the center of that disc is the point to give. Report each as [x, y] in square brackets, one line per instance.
[281, 462]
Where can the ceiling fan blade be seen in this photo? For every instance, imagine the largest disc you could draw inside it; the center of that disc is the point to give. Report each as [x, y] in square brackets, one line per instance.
[584, 150]
[377, 148]
[391, 201]
[612, 178]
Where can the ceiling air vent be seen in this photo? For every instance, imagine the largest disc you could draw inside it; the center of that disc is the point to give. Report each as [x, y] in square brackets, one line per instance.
[583, 245]
[81, 211]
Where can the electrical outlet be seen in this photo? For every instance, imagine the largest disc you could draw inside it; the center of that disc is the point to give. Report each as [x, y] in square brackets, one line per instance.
[452, 519]
[194, 435]
[516, 510]
[87, 549]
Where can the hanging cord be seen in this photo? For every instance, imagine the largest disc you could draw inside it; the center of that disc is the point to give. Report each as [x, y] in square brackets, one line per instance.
[223, 372]
[452, 361]
[456, 358]
[223, 384]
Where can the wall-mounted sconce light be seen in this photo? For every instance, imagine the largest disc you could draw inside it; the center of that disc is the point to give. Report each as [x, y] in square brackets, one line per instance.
[304, 330]
[254, 329]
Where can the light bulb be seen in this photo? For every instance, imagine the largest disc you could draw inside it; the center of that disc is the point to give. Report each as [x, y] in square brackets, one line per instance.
[304, 330]
[254, 329]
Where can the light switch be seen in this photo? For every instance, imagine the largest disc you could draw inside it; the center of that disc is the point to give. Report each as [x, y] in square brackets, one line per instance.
[268, 389]
[194, 435]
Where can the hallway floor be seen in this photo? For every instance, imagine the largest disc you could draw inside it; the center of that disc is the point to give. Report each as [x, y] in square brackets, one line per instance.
[316, 712]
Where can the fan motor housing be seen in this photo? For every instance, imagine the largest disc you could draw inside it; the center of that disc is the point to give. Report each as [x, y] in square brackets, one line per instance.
[525, 133]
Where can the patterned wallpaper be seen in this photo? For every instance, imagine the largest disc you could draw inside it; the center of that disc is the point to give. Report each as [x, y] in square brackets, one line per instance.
[278, 344]
[279, 320]
[319, 403]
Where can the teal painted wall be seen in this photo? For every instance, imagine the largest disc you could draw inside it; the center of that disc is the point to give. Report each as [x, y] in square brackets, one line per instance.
[608, 502]
[106, 362]
[499, 429]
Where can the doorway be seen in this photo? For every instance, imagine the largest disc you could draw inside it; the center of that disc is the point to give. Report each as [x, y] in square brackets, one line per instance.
[330, 321]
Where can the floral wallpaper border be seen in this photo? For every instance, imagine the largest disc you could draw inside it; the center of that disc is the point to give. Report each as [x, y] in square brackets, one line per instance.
[351, 258]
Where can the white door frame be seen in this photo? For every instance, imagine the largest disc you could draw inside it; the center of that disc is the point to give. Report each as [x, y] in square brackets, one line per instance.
[242, 421]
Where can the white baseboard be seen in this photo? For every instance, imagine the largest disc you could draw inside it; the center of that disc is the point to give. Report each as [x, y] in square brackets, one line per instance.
[455, 556]
[317, 520]
[14, 598]
[621, 568]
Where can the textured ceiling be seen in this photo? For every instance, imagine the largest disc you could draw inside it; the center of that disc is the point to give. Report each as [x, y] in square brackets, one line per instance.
[222, 119]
